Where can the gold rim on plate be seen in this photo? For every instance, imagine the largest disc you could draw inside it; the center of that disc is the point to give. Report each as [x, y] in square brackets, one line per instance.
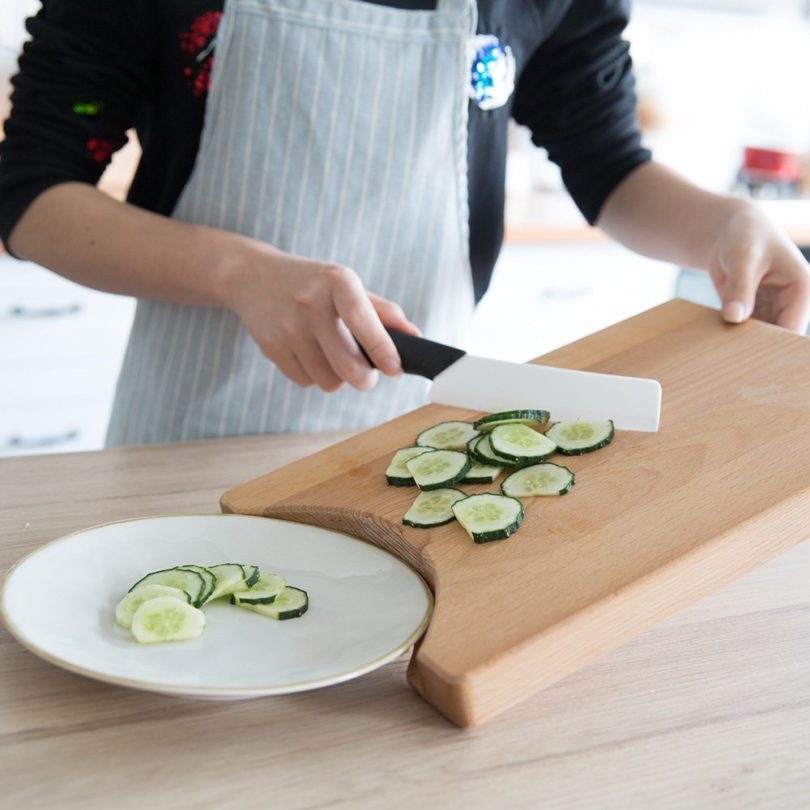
[218, 693]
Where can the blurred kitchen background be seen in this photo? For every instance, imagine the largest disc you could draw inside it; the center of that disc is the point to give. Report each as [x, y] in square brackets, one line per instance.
[724, 98]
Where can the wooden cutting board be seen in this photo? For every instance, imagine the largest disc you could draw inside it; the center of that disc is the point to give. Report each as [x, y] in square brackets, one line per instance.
[654, 522]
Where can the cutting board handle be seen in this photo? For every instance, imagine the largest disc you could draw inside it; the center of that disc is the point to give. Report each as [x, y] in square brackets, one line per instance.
[419, 355]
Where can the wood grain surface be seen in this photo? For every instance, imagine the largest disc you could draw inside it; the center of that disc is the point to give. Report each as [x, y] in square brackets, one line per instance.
[654, 522]
[707, 710]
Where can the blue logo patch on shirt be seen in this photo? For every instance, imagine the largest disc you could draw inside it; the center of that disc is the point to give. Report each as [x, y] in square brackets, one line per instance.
[492, 71]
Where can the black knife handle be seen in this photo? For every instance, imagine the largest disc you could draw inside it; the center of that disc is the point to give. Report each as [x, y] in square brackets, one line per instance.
[419, 355]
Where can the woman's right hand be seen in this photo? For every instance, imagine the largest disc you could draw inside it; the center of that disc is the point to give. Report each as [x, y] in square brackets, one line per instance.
[307, 317]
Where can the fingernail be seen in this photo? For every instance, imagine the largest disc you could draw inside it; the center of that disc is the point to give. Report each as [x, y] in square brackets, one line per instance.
[390, 366]
[734, 312]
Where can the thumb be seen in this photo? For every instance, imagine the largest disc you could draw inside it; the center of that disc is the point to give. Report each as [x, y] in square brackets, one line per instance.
[739, 293]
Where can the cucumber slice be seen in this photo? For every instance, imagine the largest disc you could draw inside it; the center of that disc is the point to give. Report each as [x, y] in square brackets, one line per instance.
[489, 517]
[534, 419]
[252, 574]
[230, 577]
[125, 609]
[434, 508]
[521, 444]
[270, 582]
[208, 577]
[472, 449]
[538, 479]
[183, 579]
[437, 469]
[397, 473]
[578, 437]
[447, 436]
[265, 591]
[290, 604]
[481, 473]
[487, 455]
[166, 619]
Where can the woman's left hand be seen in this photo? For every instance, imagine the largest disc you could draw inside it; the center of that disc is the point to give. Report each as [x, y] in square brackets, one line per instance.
[755, 268]
[757, 271]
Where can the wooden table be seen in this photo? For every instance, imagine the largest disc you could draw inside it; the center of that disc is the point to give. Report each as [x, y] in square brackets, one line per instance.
[710, 710]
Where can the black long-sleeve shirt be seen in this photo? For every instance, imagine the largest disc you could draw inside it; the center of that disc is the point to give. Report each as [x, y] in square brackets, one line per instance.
[95, 68]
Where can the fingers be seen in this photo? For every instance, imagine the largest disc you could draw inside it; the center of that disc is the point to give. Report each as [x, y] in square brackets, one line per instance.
[314, 362]
[311, 320]
[790, 269]
[757, 270]
[311, 365]
[773, 285]
[289, 366]
[355, 309]
[344, 355]
[795, 316]
[738, 293]
[391, 314]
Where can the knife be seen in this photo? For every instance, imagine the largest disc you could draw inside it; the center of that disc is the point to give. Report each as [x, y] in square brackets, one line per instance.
[483, 384]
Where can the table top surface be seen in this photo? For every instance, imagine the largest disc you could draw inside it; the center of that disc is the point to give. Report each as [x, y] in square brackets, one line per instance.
[710, 709]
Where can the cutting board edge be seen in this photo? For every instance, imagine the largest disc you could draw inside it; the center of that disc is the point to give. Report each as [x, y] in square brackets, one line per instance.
[359, 449]
[467, 700]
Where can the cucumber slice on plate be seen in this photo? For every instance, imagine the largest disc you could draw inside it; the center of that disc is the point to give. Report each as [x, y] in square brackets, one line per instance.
[437, 469]
[208, 577]
[433, 508]
[534, 419]
[397, 473]
[230, 577]
[252, 574]
[183, 579]
[538, 479]
[447, 436]
[489, 517]
[580, 436]
[265, 591]
[166, 619]
[521, 444]
[481, 473]
[483, 451]
[125, 609]
[290, 604]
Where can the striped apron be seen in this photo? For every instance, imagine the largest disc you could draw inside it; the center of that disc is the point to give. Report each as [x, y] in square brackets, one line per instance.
[335, 130]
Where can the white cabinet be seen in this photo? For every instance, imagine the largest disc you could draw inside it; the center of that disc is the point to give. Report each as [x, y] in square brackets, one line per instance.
[13, 14]
[61, 347]
[545, 296]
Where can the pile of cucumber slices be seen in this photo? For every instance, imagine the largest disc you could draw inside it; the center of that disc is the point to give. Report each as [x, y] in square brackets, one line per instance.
[167, 605]
[477, 453]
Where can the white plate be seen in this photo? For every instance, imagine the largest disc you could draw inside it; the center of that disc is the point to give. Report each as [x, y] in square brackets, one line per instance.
[366, 606]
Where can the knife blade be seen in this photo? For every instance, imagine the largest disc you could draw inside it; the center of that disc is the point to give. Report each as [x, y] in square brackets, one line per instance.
[484, 384]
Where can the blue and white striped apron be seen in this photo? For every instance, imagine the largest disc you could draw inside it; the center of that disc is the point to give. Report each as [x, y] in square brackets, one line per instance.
[335, 130]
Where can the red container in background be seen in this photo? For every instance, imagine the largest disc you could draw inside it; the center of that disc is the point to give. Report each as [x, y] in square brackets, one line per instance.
[772, 165]
[770, 174]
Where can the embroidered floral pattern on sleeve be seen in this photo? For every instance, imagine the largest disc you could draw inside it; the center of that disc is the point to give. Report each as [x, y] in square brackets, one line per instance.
[197, 45]
[100, 149]
[89, 108]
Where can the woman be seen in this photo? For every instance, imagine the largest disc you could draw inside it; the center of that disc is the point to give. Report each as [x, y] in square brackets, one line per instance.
[321, 169]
